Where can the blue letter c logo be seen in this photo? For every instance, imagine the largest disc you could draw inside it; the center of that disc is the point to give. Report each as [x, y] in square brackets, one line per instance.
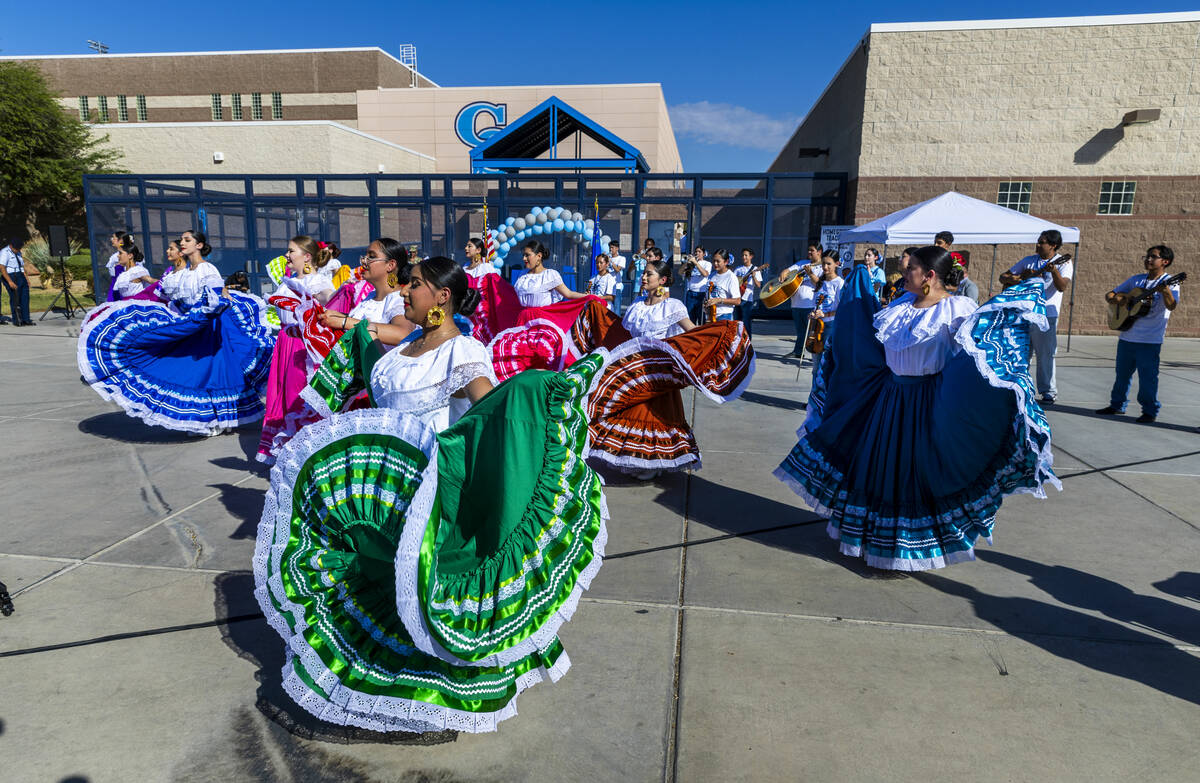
[464, 123]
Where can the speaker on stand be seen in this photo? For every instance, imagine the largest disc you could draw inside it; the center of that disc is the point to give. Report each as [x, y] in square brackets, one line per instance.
[60, 248]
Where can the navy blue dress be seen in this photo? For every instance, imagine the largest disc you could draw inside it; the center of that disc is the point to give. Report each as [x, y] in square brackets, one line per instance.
[911, 469]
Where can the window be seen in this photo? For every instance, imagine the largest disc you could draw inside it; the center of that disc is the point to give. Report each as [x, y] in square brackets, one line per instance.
[122, 109]
[1116, 198]
[256, 105]
[216, 106]
[141, 108]
[103, 101]
[235, 105]
[85, 113]
[276, 106]
[1015, 195]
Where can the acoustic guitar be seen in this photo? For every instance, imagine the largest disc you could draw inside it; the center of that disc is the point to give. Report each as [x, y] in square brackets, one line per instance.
[776, 292]
[1137, 302]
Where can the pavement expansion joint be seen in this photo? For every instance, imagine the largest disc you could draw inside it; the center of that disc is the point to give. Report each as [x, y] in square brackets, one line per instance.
[90, 558]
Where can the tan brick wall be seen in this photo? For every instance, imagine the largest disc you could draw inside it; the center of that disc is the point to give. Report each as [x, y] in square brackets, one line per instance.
[1166, 210]
[1047, 99]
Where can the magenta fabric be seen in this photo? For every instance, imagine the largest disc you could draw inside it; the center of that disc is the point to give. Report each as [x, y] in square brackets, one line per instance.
[286, 411]
[349, 296]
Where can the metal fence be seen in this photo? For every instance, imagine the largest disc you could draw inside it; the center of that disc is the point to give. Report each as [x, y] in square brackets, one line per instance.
[249, 219]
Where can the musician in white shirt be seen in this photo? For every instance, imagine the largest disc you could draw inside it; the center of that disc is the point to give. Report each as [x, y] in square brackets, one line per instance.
[696, 270]
[804, 299]
[723, 291]
[751, 281]
[1140, 346]
[603, 284]
[1055, 270]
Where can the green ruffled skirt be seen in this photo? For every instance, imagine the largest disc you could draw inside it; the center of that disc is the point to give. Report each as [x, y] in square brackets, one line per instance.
[419, 579]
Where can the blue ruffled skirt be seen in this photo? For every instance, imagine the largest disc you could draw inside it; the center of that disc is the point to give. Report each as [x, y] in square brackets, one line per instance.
[202, 371]
[911, 470]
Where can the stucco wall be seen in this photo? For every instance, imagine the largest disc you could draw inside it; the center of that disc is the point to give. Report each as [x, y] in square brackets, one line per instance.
[257, 148]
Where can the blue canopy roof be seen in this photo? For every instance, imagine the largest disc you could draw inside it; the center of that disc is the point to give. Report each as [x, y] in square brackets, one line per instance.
[537, 132]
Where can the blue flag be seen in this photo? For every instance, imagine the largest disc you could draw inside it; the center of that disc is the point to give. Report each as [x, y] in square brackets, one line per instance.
[596, 234]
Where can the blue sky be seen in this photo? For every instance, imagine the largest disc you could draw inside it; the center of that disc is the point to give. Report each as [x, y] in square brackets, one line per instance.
[737, 77]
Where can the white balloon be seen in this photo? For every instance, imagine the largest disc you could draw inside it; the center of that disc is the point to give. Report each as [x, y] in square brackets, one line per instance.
[519, 224]
[509, 231]
[542, 217]
[604, 240]
[589, 224]
[530, 219]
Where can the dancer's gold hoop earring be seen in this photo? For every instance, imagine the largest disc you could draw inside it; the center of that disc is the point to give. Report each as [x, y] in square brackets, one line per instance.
[925, 290]
[436, 316]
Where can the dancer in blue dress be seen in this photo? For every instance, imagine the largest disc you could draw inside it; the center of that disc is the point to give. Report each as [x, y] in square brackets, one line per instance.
[922, 419]
[197, 364]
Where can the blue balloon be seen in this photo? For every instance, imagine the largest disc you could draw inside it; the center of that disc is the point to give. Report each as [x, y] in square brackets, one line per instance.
[498, 264]
[510, 221]
[520, 235]
[558, 224]
[539, 228]
[587, 234]
[504, 248]
[536, 210]
[569, 225]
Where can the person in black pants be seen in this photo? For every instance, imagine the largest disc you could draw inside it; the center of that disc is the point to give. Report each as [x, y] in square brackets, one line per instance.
[12, 272]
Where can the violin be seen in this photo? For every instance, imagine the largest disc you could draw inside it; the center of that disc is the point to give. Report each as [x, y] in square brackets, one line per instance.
[815, 344]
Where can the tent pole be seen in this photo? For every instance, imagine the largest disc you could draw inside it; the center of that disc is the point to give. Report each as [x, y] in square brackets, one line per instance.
[1071, 303]
[992, 275]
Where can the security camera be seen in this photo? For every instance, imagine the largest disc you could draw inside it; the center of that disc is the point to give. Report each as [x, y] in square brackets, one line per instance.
[218, 157]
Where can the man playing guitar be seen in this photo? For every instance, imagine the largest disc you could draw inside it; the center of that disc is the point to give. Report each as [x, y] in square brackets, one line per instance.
[1140, 346]
[1055, 270]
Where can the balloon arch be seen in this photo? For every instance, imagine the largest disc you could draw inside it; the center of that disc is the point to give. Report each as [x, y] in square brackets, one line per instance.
[542, 221]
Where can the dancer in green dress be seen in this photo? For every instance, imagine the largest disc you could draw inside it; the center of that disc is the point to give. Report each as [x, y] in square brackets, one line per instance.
[419, 558]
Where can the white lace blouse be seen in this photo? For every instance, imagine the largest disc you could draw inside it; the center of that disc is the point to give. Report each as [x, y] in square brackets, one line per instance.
[483, 270]
[127, 283]
[188, 285]
[659, 320]
[919, 341]
[379, 311]
[424, 385]
[538, 290]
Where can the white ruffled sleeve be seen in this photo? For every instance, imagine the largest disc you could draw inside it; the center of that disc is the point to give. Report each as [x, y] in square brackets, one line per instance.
[917, 341]
[393, 305]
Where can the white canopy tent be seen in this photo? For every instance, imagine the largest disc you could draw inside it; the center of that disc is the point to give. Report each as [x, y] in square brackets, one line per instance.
[973, 222]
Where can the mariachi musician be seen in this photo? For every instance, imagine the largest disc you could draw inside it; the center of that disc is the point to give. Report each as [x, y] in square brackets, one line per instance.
[828, 290]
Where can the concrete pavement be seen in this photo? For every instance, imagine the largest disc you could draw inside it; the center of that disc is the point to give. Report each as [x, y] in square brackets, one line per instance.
[724, 639]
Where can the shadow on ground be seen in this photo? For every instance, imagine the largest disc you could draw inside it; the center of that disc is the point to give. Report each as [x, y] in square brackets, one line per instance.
[1099, 644]
[119, 426]
[1126, 418]
[255, 641]
[247, 435]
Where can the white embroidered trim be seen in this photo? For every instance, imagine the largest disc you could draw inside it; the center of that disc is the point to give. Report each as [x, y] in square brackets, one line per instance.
[133, 408]
[344, 705]
[964, 339]
[408, 553]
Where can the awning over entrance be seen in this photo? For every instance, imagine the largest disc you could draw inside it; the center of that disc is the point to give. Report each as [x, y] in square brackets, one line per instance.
[521, 145]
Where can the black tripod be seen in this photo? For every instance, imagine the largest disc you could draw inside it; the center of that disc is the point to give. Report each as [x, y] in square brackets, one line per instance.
[6, 604]
[70, 303]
